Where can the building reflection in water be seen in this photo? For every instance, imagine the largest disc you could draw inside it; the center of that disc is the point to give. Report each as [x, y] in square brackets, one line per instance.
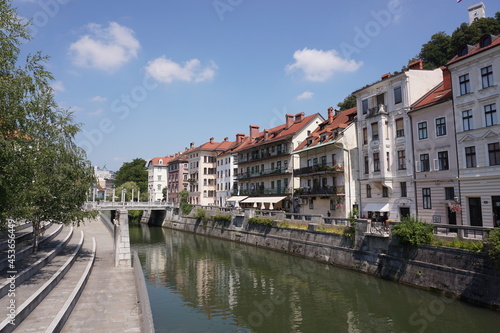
[242, 288]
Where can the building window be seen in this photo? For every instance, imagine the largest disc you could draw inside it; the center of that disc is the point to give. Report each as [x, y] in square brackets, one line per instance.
[464, 84]
[424, 162]
[365, 135]
[467, 120]
[388, 161]
[368, 191]
[385, 191]
[311, 204]
[400, 128]
[333, 203]
[426, 198]
[490, 113]
[470, 157]
[401, 160]
[443, 160]
[364, 105]
[487, 76]
[374, 131]
[422, 130]
[441, 126]
[404, 193]
[398, 97]
[449, 193]
[367, 168]
[494, 153]
[376, 162]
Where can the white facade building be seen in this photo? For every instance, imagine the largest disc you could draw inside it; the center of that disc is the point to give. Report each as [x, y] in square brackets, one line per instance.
[475, 73]
[385, 143]
[157, 177]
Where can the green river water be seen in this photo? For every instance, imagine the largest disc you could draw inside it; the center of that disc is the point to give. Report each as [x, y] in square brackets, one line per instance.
[201, 284]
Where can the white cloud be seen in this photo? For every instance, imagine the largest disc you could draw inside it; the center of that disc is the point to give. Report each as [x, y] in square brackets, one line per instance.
[319, 65]
[58, 86]
[96, 113]
[105, 48]
[165, 70]
[305, 95]
[98, 99]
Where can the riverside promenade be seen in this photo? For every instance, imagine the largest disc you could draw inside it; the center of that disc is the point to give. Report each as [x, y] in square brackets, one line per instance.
[109, 300]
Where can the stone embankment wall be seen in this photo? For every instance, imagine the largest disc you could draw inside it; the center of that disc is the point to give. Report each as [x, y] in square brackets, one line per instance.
[469, 276]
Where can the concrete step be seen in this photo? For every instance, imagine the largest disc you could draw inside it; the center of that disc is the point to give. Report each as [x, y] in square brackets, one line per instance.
[58, 302]
[27, 295]
[30, 265]
[8, 258]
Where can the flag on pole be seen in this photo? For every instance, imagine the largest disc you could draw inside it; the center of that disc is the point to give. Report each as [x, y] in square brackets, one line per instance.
[459, 1]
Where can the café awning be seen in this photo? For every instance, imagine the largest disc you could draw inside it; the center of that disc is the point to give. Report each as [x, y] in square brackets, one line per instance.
[236, 199]
[260, 201]
[376, 207]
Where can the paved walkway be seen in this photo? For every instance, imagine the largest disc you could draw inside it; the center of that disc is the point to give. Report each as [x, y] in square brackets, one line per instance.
[109, 300]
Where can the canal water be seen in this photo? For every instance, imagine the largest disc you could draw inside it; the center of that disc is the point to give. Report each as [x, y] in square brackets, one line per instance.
[201, 284]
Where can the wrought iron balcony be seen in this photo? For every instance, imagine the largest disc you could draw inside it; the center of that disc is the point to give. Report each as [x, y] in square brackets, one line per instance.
[268, 172]
[321, 191]
[319, 168]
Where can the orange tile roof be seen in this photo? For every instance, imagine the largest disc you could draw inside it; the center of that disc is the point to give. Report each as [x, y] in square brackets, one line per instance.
[276, 134]
[156, 160]
[495, 41]
[328, 127]
[437, 95]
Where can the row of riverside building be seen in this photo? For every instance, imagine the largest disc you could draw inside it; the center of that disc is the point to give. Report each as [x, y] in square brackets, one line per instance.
[420, 142]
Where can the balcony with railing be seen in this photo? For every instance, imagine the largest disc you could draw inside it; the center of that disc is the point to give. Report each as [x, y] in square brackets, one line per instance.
[265, 191]
[319, 168]
[375, 111]
[261, 173]
[338, 190]
[263, 155]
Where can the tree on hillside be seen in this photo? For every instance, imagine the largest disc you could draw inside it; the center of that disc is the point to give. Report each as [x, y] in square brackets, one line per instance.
[437, 51]
[44, 176]
[347, 103]
[442, 48]
[134, 171]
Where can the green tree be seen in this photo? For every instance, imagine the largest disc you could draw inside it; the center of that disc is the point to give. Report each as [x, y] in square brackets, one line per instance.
[437, 52]
[135, 171]
[44, 176]
[129, 187]
[347, 103]
[442, 47]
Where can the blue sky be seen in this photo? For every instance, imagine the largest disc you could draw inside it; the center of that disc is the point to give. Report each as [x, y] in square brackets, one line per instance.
[146, 78]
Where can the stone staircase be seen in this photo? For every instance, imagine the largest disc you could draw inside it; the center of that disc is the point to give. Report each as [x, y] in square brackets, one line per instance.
[39, 290]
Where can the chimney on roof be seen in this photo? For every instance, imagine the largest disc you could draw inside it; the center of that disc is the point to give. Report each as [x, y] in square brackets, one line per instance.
[299, 116]
[254, 131]
[211, 140]
[225, 139]
[266, 134]
[418, 64]
[240, 137]
[330, 115]
[386, 76]
[288, 120]
[191, 145]
[446, 78]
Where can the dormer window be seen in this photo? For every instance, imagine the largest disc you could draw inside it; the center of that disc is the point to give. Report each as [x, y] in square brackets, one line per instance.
[161, 162]
[485, 41]
[463, 50]
[322, 138]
